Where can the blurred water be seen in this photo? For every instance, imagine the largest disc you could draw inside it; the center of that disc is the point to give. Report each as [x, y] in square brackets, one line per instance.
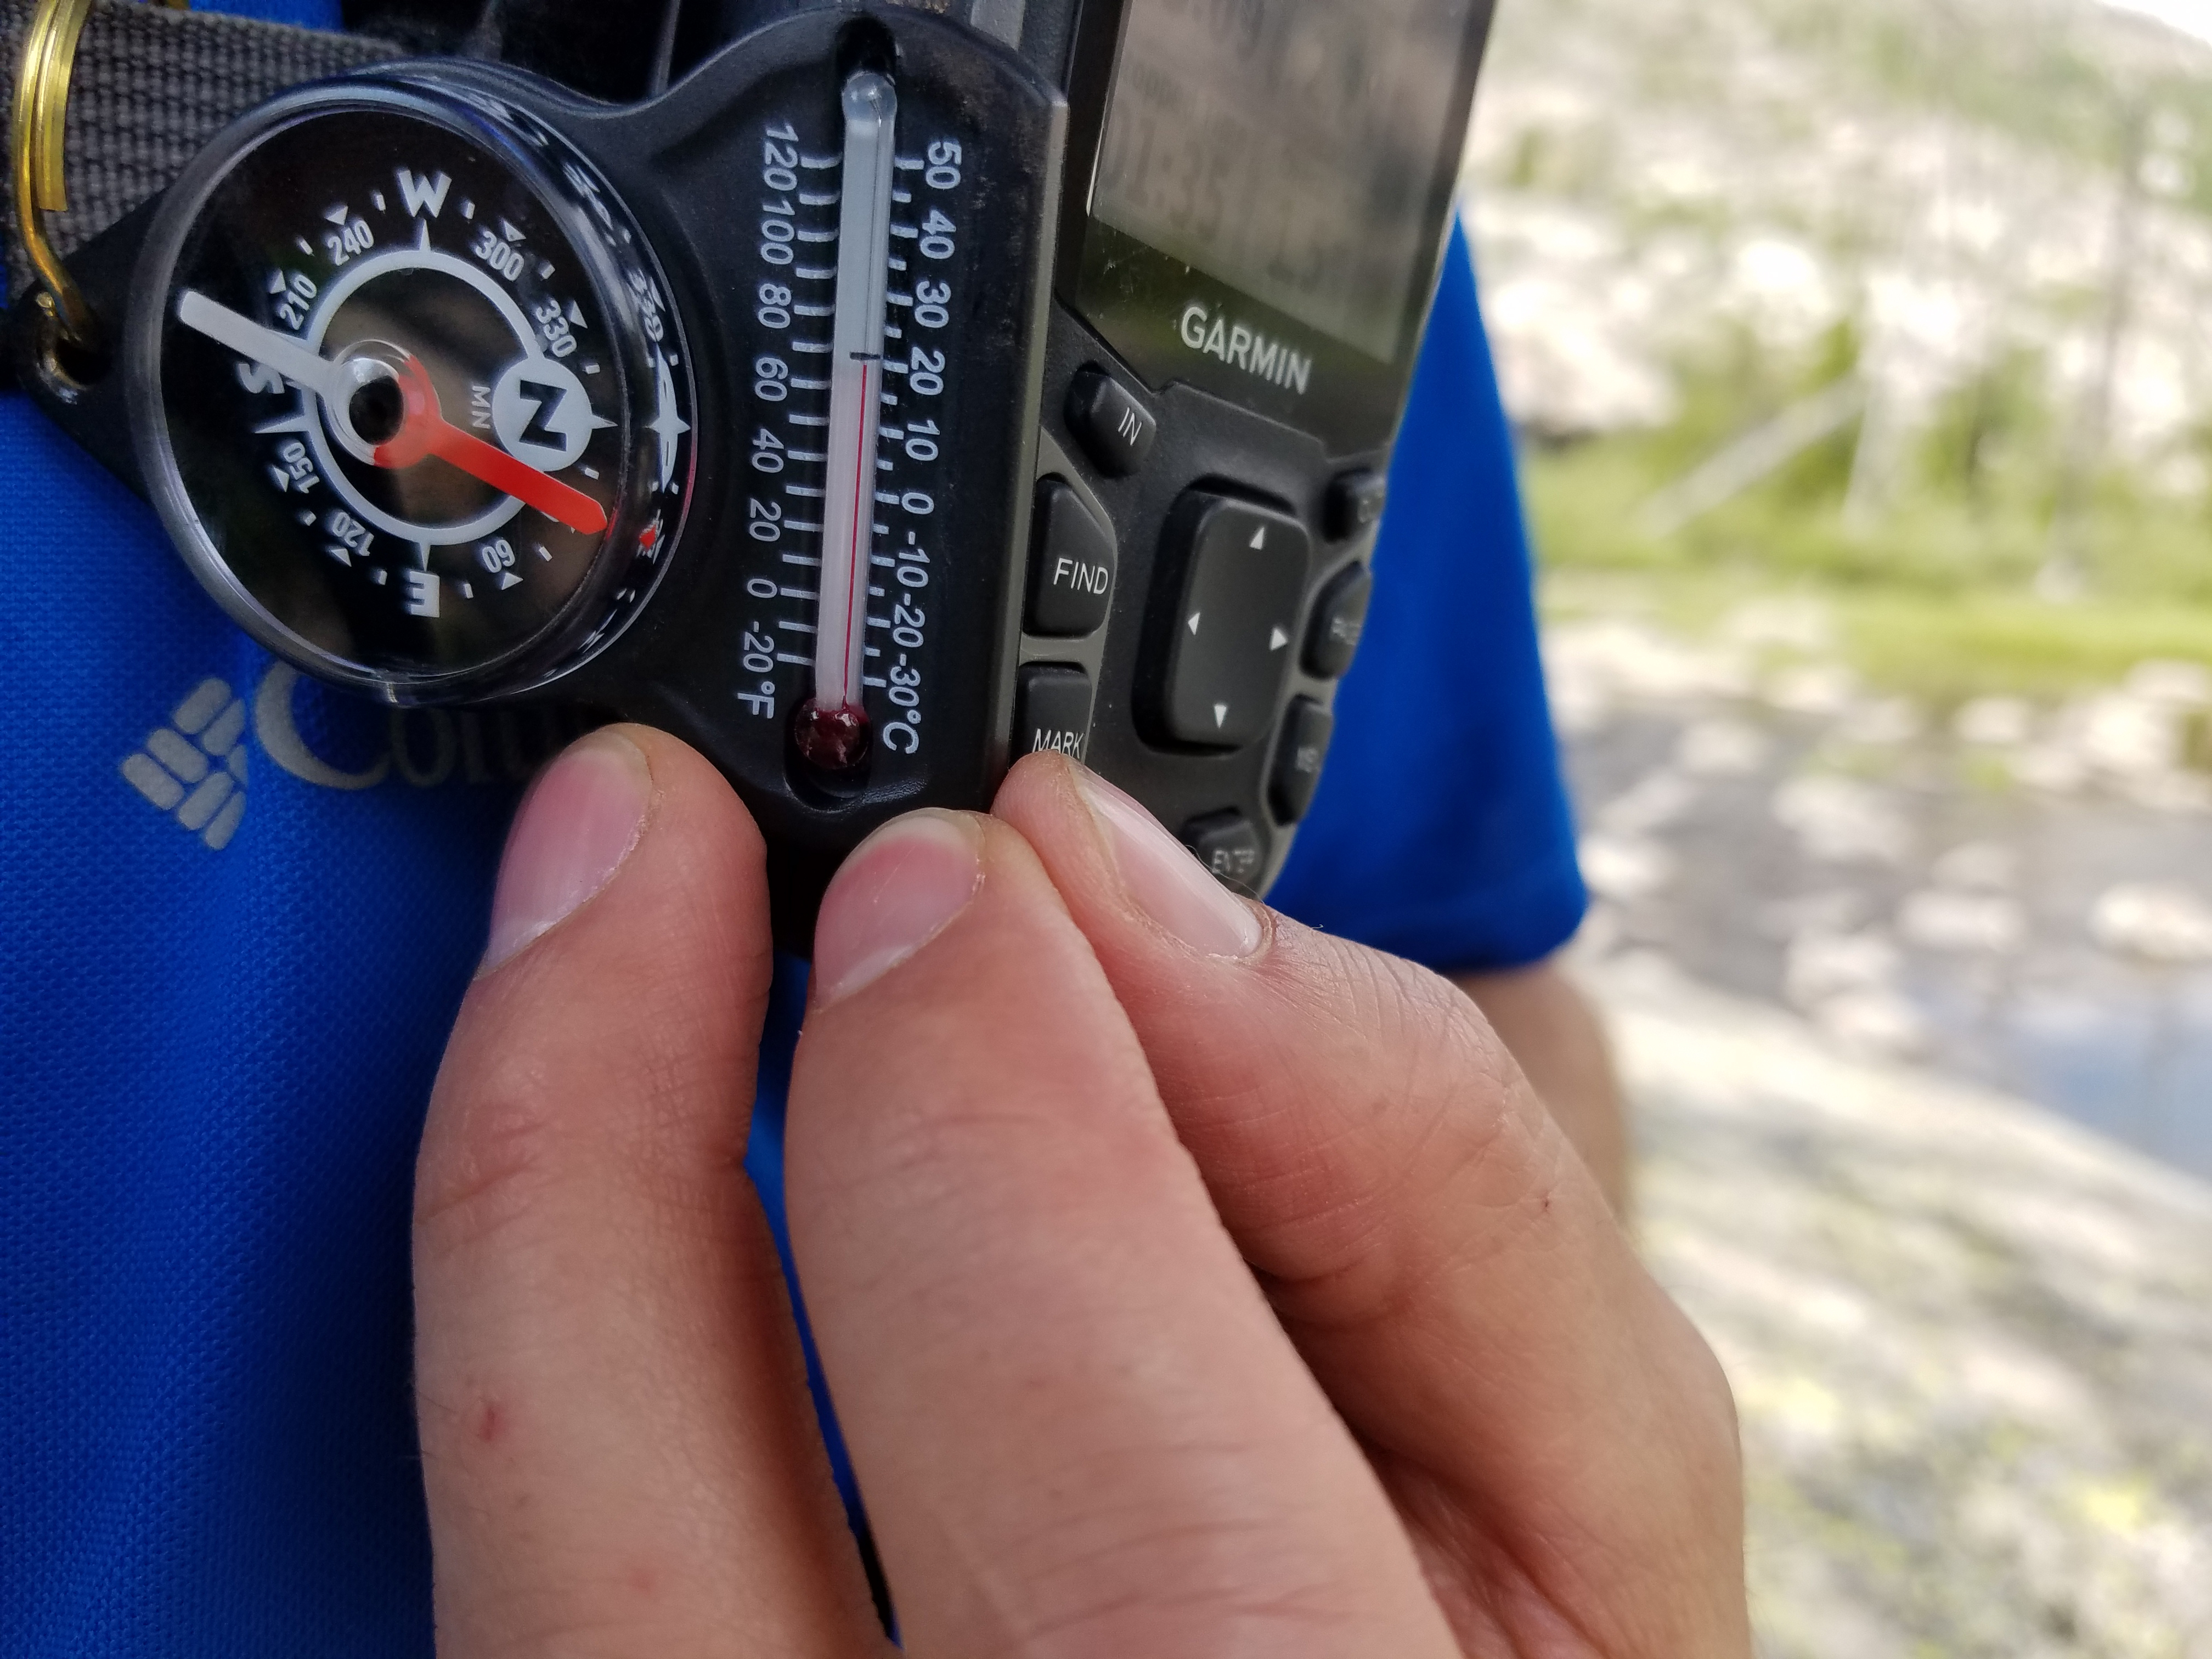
[2122, 1045]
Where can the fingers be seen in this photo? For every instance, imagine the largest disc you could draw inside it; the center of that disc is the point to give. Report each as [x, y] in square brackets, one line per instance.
[1079, 1429]
[617, 1448]
[1451, 1273]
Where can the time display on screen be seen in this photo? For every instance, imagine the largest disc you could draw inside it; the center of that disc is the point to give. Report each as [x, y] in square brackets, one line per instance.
[1290, 148]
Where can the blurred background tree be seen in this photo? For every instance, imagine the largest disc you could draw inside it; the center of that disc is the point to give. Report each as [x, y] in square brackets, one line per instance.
[1702, 223]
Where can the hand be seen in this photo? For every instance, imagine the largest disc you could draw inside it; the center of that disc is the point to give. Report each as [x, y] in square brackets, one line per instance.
[1189, 1283]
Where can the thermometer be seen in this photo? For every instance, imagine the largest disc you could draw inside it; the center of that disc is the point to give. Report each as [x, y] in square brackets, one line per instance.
[832, 728]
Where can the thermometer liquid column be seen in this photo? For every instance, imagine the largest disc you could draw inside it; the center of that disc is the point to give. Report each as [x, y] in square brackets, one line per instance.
[832, 728]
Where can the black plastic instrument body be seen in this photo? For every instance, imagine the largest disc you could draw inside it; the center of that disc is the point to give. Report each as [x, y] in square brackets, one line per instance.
[1114, 506]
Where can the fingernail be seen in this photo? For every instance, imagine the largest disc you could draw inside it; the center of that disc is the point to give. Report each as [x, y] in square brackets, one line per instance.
[573, 829]
[1168, 883]
[894, 894]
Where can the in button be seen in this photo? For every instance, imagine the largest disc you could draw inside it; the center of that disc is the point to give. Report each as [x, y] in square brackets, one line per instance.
[1113, 425]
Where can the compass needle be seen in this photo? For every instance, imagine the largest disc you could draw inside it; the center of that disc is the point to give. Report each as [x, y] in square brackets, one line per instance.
[495, 467]
[424, 430]
[432, 433]
[296, 362]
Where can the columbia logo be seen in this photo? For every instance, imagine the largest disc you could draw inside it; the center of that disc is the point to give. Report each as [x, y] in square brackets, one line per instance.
[195, 766]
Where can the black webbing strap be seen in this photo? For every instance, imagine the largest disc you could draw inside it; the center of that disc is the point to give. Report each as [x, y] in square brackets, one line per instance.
[149, 86]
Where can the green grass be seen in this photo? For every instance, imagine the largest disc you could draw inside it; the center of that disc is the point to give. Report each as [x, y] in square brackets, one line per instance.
[1936, 600]
[1987, 643]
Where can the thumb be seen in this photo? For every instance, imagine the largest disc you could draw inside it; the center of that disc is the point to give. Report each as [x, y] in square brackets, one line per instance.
[618, 1447]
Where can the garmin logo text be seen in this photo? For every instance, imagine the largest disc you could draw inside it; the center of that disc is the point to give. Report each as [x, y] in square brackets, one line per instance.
[1248, 348]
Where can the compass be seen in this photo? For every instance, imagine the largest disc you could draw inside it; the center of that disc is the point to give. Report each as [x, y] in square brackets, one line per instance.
[415, 404]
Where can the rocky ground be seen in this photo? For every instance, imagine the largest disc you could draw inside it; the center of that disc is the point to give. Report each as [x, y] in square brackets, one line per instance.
[1972, 1345]
[2018, 895]
[1860, 961]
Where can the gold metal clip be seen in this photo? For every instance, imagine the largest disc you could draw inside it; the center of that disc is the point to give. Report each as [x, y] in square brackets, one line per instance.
[42, 83]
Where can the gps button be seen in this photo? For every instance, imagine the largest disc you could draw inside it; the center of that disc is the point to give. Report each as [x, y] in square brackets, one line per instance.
[1052, 710]
[1340, 615]
[1299, 756]
[1229, 643]
[1116, 429]
[1072, 571]
[1229, 847]
[1355, 503]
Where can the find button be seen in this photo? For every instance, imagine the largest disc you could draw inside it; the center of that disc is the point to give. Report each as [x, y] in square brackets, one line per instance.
[1071, 567]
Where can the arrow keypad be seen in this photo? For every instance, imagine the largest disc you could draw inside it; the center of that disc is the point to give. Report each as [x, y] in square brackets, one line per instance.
[1235, 629]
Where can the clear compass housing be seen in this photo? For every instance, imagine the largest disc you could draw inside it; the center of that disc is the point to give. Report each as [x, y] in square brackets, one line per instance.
[415, 403]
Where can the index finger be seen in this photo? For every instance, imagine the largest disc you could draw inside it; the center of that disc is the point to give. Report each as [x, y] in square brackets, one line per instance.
[1079, 1429]
[1451, 1272]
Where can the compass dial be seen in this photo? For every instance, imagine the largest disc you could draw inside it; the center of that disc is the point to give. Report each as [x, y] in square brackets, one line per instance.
[415, 404]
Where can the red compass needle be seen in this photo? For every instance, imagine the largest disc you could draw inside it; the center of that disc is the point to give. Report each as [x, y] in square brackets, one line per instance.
[424, 430]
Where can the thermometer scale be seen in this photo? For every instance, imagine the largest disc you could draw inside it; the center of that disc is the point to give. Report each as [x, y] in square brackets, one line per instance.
[833, 727]
[861, 260]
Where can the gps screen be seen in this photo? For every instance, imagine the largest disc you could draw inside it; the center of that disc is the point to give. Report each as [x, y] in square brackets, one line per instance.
[1290, 148]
